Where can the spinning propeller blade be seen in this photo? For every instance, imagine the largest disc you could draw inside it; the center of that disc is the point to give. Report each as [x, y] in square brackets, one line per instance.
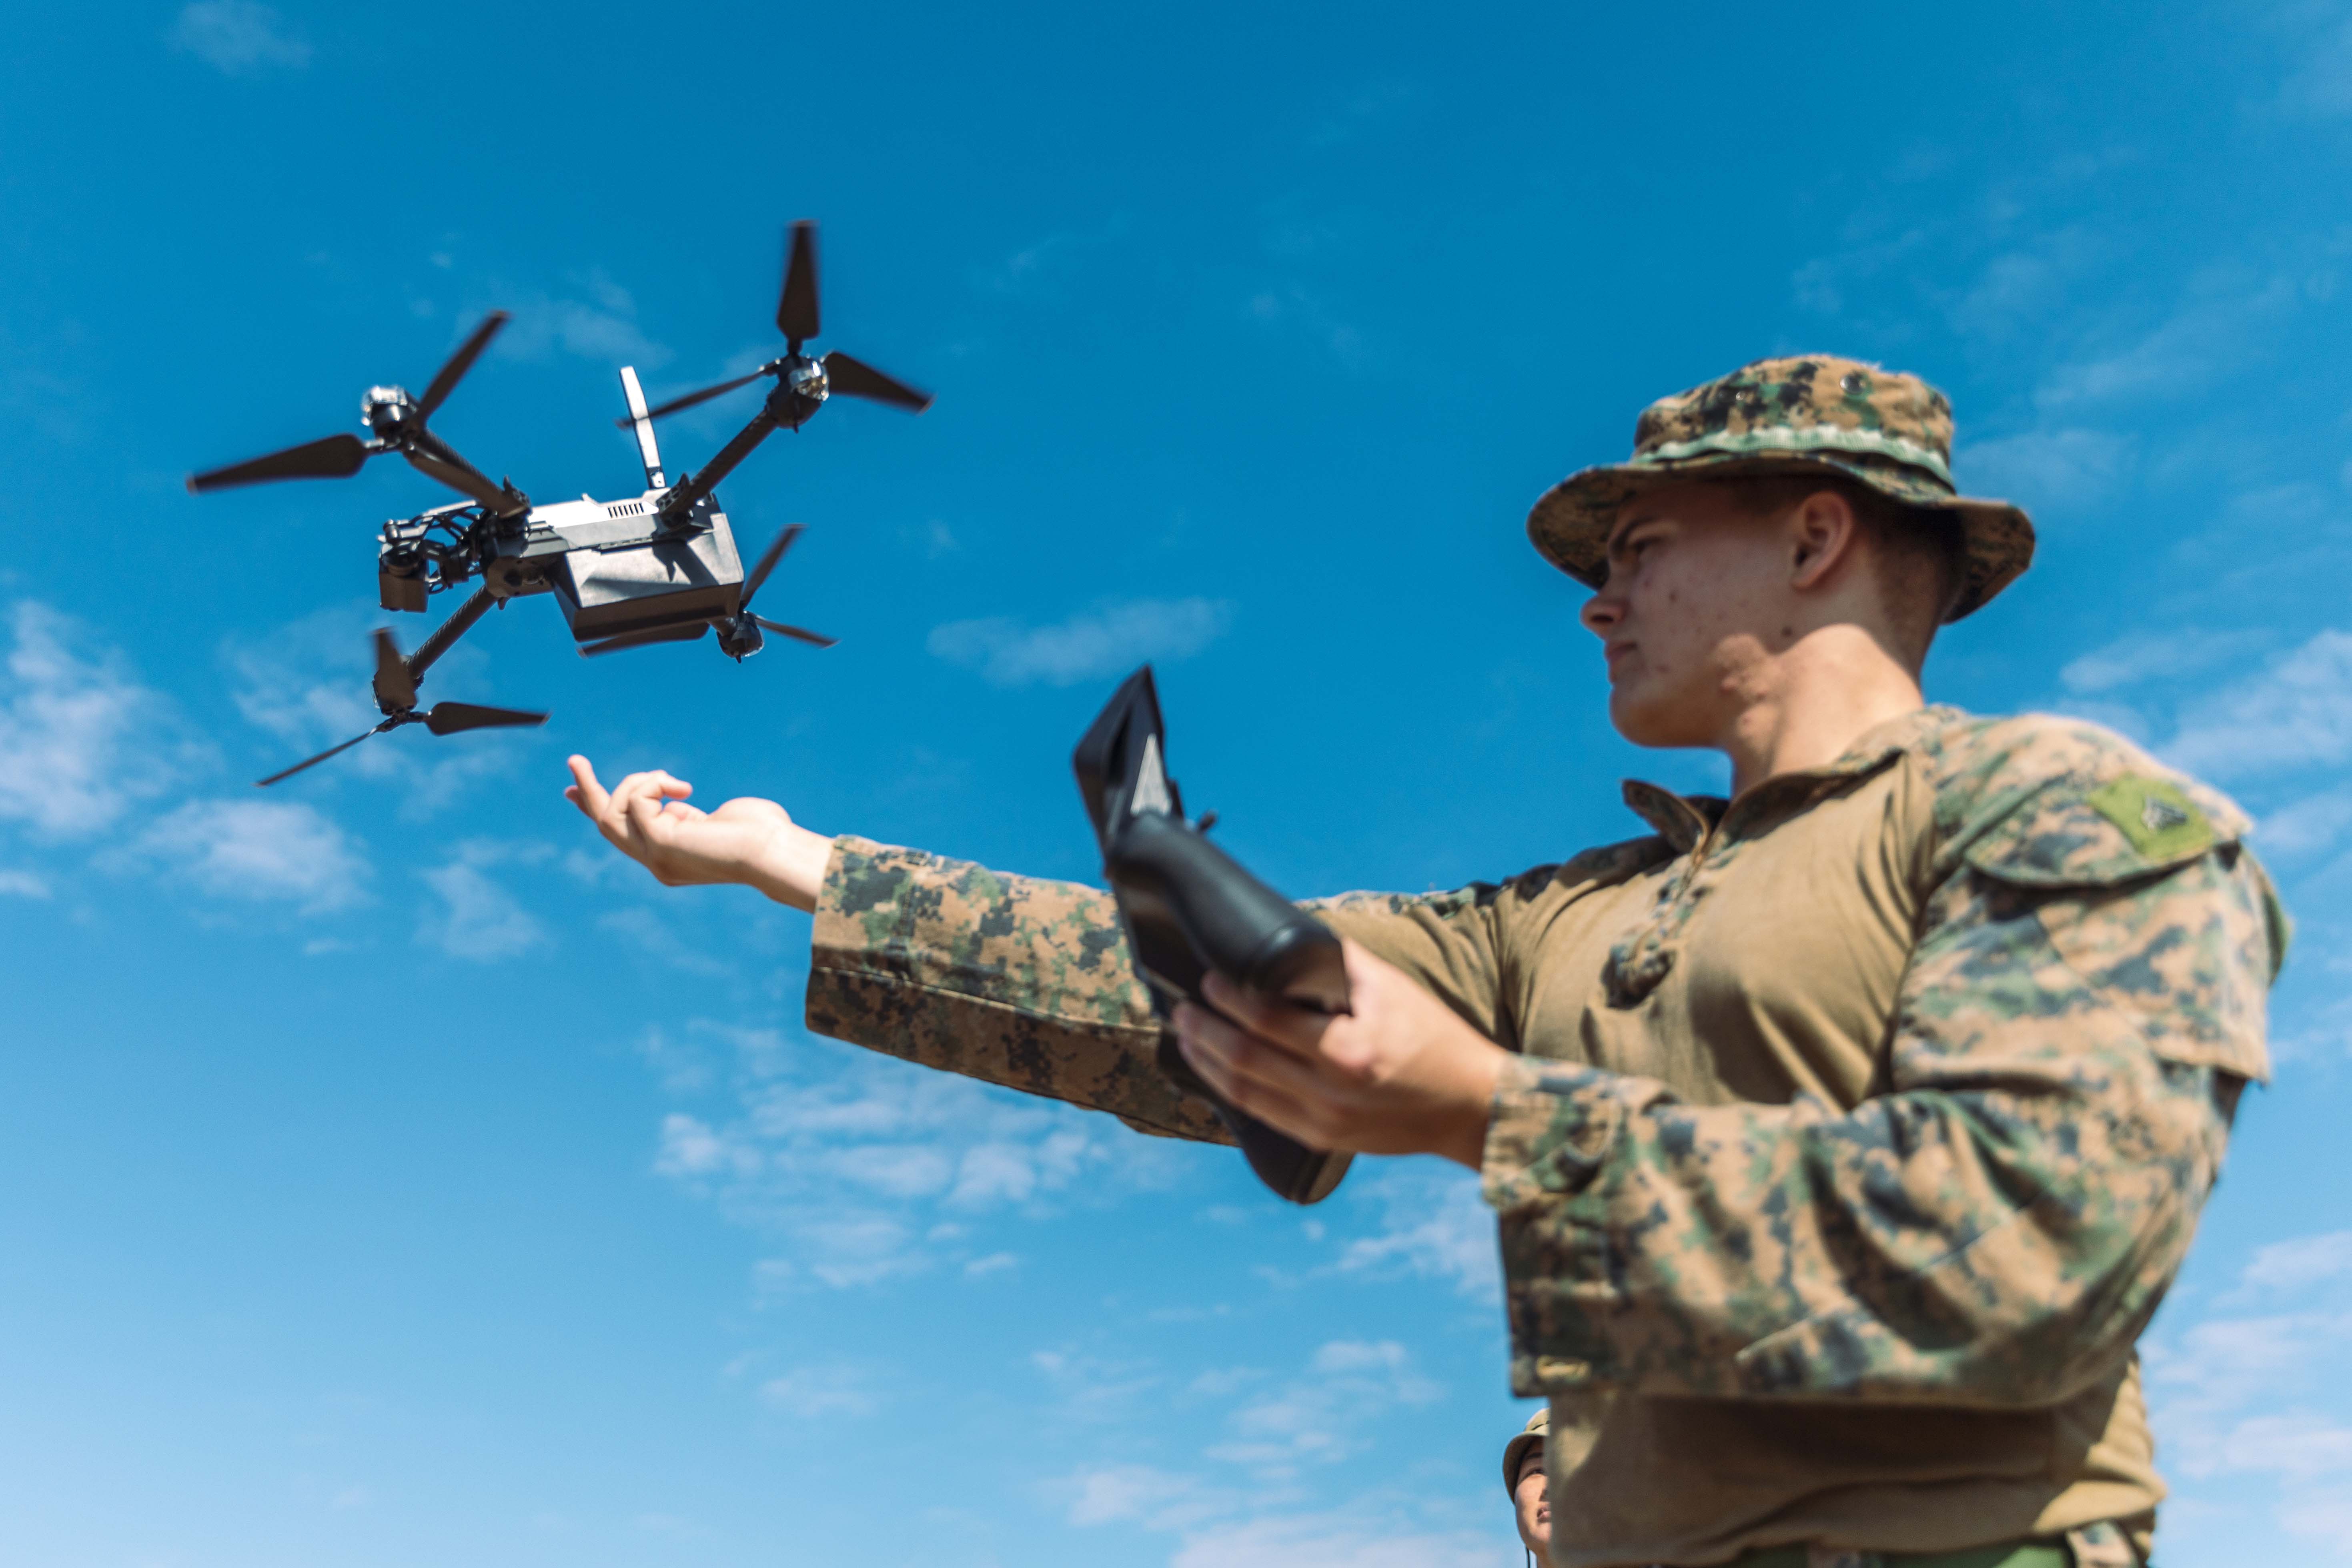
[446, 380]
[796, 314]
[396, 688]
[314, 761]
[705, 396]
[775, 552]
[645, 639]
[801, 632]
[332, 458]
[858, 379]
[448, 718]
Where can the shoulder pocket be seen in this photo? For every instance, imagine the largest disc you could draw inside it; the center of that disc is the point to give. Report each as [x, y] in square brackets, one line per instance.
[2143, 888]
[2081, 833]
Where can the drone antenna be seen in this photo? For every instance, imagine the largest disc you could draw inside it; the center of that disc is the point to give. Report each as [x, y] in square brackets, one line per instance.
[646, 451]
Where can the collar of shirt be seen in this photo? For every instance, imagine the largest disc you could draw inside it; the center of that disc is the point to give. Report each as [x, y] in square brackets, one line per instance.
[1688, 822]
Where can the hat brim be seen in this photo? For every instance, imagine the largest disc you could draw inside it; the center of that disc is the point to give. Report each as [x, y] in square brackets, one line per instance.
[1515, 1454]
[1571, 523]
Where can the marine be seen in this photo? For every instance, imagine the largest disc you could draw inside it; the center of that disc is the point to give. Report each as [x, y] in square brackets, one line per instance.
[1843, 1134]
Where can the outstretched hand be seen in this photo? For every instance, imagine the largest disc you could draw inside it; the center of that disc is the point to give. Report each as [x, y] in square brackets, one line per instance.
[1402, 1075]
[755, 842]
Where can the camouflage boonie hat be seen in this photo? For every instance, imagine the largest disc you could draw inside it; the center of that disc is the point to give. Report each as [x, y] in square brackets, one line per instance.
[1514, 1452]
[1893, 432]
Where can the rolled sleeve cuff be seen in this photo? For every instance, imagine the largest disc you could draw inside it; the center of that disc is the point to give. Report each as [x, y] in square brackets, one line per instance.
[1548, 1128]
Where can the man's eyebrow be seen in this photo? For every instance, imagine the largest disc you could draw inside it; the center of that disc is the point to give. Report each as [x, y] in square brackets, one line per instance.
[1626, 527]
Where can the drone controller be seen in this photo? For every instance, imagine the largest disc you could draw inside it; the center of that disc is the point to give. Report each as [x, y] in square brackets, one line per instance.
[1189, 908]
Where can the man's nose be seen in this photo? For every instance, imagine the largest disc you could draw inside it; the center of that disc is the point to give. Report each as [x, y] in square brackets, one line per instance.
[1601, 613]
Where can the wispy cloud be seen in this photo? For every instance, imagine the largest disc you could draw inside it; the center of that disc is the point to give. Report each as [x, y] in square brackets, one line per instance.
[1436, 1225]
[478, 918]
[82, 739]
[1323, 1416]
[2296, 713]
[258, 851]
[598, 323]
[2061, 468]
[23, 885]
[823, 1392]
[868, 1169]
[1085, 647]
[2168, 655]
[2257, 1398]
[238, 38]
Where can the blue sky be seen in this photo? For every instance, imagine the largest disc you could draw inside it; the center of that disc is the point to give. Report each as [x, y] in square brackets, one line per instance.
[391, 1178]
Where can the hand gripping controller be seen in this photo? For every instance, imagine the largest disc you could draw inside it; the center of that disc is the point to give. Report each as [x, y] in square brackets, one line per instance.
[1189, 908]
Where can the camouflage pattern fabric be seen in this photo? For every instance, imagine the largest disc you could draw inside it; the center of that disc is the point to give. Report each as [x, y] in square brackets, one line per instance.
[1996, 1224]
[1014, 980]
[1861, 1123]
[1890, 431]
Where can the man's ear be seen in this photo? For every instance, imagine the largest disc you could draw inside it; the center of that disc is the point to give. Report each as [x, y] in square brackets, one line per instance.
[1821, 536]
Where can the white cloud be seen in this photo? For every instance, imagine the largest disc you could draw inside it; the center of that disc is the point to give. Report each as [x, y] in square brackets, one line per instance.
[994, 1263]
[1108, 641]
[602, 326]
[2296, 713]
[1323, 1418]
[2304, 1260]
[80, 739]
[649, 935]
[1436, 1225]
[23, 885]
[814, 1393]
[2056, 468]
[2153, 656]
[1126, 1492]
[258, 850]
[238, 38]
[2308, 825]
[2298, 1445]
[2208, 336]
[1343, 1537]
[478, 918]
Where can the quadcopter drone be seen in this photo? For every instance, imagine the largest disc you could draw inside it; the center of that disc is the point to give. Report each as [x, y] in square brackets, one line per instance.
[660, 567]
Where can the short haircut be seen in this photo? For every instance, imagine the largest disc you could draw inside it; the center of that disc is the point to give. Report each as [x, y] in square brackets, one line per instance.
[1919, 554]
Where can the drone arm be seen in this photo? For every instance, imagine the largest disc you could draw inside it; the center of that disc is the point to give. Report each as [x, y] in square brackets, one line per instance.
[435, 457]
[449, 632]
[688, 496]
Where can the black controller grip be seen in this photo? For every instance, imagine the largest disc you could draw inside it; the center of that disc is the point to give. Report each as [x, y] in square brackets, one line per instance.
[1188, 908]
[1233, 923]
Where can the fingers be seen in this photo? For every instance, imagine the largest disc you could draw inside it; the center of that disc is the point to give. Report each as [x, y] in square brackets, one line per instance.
[585, 792]
[1253, 1077]
[1293, 1029]
[1238, 1055]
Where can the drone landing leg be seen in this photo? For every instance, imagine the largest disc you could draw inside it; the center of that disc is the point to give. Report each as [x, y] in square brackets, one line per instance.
[449, 632]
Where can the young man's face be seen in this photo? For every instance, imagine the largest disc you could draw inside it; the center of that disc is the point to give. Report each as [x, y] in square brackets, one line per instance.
[1697, 593]
[1532, 1498]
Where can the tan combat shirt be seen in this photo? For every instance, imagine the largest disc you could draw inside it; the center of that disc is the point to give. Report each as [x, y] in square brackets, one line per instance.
[1860, 1128]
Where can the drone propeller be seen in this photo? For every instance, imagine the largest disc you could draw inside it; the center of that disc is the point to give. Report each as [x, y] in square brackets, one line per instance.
[819, 638]
[395, 693]
[768, 558]
[796, 314]
[450, 718]
[323, 756]
[645, 640]
[332, 458]
[797, 318]
[399, 426]
[855, 378]
[446, 379]
[705, 396]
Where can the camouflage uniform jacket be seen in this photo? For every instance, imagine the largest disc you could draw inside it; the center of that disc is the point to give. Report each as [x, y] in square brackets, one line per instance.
[1860, 1126]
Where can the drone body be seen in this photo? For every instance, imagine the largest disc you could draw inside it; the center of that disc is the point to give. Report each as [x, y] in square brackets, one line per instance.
[661, 567]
